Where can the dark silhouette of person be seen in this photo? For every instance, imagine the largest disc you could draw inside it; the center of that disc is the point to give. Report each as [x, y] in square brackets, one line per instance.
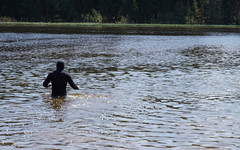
[59, 81]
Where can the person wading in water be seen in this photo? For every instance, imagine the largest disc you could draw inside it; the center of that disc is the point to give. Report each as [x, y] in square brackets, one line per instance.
[59, 81]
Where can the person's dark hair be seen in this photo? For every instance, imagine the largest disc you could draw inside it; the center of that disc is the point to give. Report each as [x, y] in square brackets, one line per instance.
[60, 65]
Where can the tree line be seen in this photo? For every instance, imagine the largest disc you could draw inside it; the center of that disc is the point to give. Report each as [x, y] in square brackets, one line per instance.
[123, 11]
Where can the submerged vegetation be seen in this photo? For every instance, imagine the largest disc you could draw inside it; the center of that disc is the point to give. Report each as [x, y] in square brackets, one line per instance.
[225, 12]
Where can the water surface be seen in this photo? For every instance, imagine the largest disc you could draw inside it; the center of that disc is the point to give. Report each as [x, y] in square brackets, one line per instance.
[137, 91]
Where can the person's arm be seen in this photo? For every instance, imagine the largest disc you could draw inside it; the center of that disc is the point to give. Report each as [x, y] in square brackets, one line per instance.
[72, 84]
[47, 80]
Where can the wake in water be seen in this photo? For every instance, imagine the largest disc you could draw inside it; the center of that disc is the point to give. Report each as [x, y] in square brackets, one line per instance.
[76, 98]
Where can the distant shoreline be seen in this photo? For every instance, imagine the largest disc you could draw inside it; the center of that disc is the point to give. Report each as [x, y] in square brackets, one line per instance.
[111, 28]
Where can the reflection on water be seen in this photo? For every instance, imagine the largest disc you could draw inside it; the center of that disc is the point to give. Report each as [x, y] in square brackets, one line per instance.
[137, 92]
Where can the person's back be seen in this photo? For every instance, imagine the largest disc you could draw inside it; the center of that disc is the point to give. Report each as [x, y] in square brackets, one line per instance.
[59, 81]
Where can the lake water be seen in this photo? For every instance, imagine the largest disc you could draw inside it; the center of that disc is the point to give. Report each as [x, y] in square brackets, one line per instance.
[137, 91]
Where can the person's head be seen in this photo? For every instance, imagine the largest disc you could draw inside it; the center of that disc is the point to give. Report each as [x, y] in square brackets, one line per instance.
[60, 65]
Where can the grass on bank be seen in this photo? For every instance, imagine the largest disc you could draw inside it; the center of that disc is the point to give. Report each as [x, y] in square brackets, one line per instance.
[42, 24]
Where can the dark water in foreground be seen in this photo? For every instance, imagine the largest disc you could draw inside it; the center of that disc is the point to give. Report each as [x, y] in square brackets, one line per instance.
[137, 92]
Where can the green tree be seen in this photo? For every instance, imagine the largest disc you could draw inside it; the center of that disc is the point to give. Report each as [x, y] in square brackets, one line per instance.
[215, 16]
[30, 10]
[69, 10]
[109, 10]
[194, 15]
[237, 13]
[205, 11]
[92, 16]
[196, 9]
[227, 11]
[180, 12]
[50, 9]
[129, 10]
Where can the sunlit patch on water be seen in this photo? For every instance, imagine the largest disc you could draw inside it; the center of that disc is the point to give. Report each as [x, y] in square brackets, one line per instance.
[75, 100]
[136, 92]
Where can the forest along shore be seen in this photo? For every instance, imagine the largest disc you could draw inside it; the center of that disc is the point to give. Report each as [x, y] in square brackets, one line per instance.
[224, 12]
[112, 28]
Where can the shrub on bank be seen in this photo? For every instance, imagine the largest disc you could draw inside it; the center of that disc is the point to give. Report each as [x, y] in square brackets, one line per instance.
[7, 19]
[94, 16]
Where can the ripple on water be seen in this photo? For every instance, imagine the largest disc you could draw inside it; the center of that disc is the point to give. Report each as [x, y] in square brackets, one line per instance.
[137, 92]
